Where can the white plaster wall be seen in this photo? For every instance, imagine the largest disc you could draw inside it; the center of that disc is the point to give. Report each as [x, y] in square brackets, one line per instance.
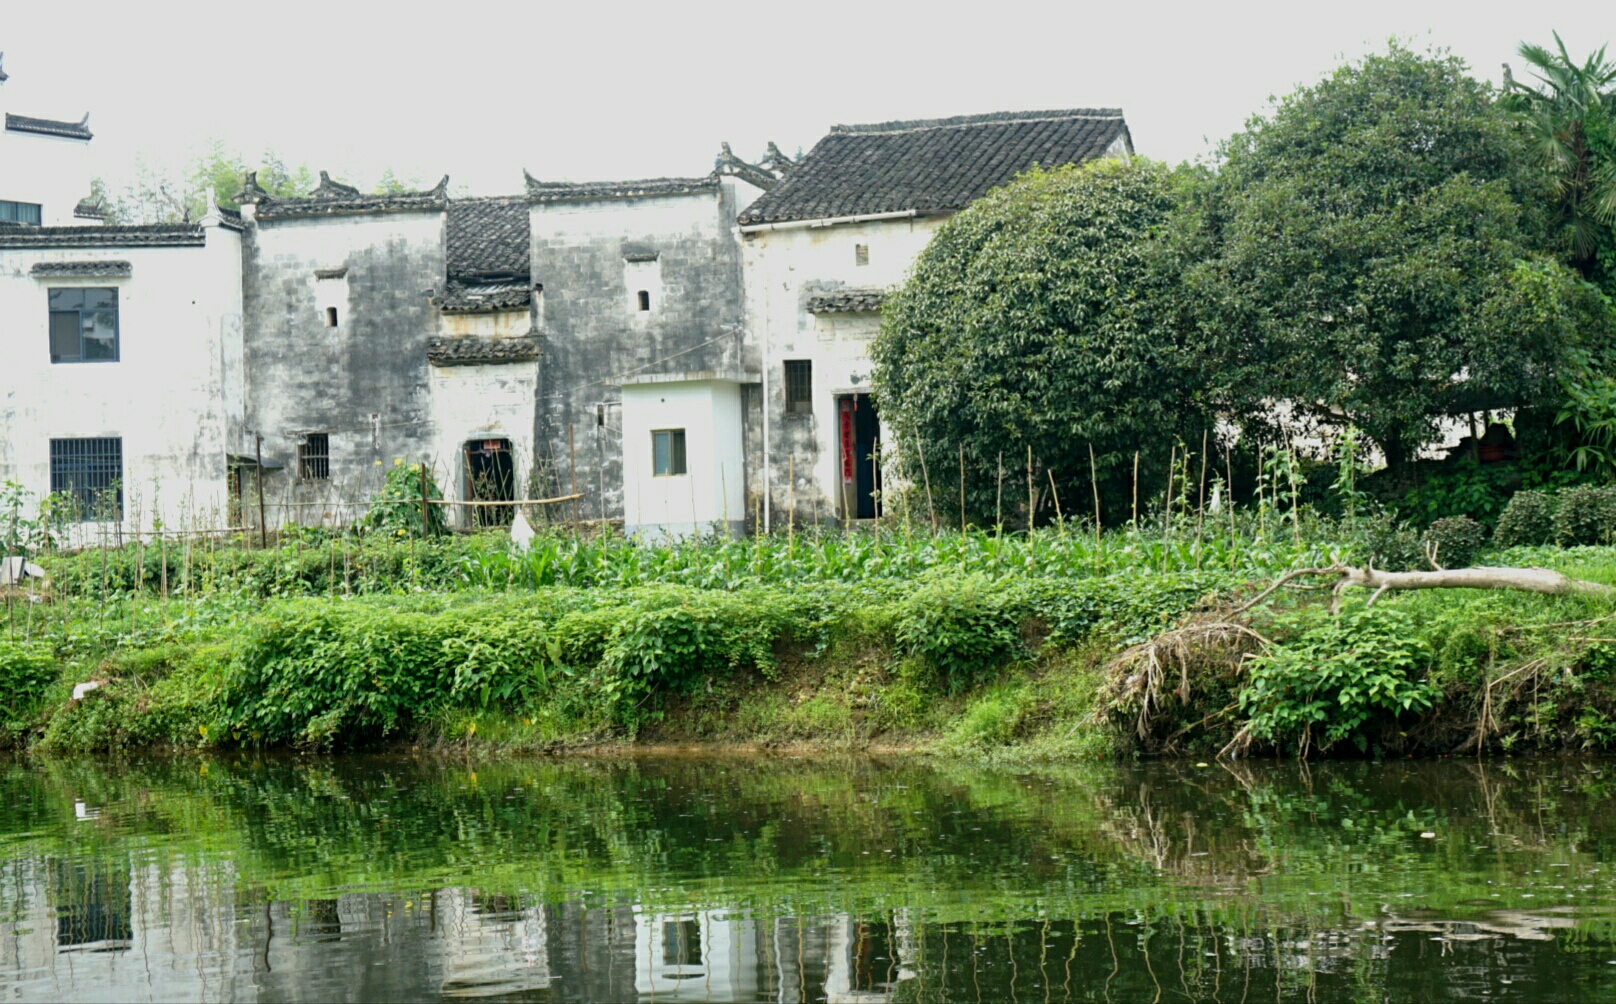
[173, 396]
[53, 171]
[482, 402]
[710, 495]
[782, 269]
[732, 953]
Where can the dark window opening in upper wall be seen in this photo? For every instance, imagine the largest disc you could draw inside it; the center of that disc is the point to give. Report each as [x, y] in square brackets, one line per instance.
[331, 317]
[19, 212]
[799, 386]
[84, 325]
[314, 457]
[645, 299]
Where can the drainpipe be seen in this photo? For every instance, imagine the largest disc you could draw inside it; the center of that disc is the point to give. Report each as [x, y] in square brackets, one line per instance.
[829, 221]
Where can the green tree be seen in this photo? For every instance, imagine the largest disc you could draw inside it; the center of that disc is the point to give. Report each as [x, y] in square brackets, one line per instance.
[1378, 257]
[160, 193]
[1571, 127]
[1045, 316]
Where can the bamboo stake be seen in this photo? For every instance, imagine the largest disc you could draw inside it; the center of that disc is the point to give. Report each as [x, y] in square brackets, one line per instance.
[1228, 461]
[572, 471]
[998, 501]
[1200, 516]
[1094, 482]
[1054, 495]
[920, 448]
[1032, 498]
[1135, 489]
[1167, 503]
[258, 479]
[423, 499]
[962, 486]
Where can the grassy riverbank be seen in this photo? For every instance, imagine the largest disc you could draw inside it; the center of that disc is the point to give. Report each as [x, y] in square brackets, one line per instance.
[971, 645]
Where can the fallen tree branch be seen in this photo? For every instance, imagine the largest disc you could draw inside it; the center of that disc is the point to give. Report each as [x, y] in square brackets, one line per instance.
[1529, 580]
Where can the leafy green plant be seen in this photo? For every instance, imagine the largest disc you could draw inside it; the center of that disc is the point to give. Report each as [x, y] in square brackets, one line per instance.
[1454, 541]
[1585, 515]
[964, 627]
[1527, 519]
[396, 509]
[1335, 677]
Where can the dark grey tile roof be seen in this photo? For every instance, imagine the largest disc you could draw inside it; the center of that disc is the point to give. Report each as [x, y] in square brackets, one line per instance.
[50, 127]
[846, 301]
[470, 296]
[566, 191]
[488, 237]
[936, 165]
[53, 269]
[333, 198]
[90, 208]
[153, 235]
[467, 350]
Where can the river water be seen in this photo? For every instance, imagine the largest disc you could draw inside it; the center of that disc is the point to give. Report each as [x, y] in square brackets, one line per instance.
[805, 879]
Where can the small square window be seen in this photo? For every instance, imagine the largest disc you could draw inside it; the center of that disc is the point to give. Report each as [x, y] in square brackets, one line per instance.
[799, 387]
[314, 457]
[667, 453]
[644, 299]
[861, 254]
[83, 325]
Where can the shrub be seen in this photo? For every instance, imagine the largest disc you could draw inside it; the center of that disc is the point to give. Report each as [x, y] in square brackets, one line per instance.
[1585, 515]
[1337, 675]
[1387, 542]
[963, 627]
[1527, 519]
[26, 669]
[1456, 540]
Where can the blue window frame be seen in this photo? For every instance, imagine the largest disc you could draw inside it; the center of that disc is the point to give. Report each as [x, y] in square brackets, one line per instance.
[667, 453]
[19, 212]
[84, 325]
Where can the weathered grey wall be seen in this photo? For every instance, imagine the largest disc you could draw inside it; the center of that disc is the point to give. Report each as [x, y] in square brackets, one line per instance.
[595, 335]
[364, 382]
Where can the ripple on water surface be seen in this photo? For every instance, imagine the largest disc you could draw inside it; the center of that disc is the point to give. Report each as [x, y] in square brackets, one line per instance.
[781, 879]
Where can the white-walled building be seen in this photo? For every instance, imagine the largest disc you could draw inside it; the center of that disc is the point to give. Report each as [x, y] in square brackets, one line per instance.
[690, 355]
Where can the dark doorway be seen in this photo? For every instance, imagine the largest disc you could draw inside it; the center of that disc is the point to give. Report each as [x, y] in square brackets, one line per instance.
[490, 477]
[860, 432]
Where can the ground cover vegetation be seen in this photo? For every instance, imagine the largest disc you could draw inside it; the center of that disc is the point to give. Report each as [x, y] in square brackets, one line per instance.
[1388, 250]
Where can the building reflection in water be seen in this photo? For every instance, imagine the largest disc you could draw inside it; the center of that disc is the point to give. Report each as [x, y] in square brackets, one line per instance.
[144, 930]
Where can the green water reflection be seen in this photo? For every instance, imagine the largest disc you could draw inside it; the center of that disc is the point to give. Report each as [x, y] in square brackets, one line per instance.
[804, 879]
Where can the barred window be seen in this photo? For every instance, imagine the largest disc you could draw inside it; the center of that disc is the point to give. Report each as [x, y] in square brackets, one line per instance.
[314, 457]
[83, 325]
[91, 472]
[799, 386]
[861, 254]
[667, 453]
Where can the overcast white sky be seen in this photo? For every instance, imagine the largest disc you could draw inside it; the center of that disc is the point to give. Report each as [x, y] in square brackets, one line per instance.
[581, 91]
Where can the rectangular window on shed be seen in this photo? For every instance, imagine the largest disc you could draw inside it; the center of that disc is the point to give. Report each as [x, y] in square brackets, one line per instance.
[19, 212]
[314, 457]
[91, 472]
[668, 453]
[84, 325]
[799, 387]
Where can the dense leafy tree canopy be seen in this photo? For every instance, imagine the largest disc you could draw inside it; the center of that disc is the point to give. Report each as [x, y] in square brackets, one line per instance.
[1043, 317]
[1378, 256]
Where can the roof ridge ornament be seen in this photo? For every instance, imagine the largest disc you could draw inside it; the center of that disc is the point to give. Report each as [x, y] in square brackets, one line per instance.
[4, 76]
[776, 161]
[329, 189]
[728, 163]
[251, 193]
